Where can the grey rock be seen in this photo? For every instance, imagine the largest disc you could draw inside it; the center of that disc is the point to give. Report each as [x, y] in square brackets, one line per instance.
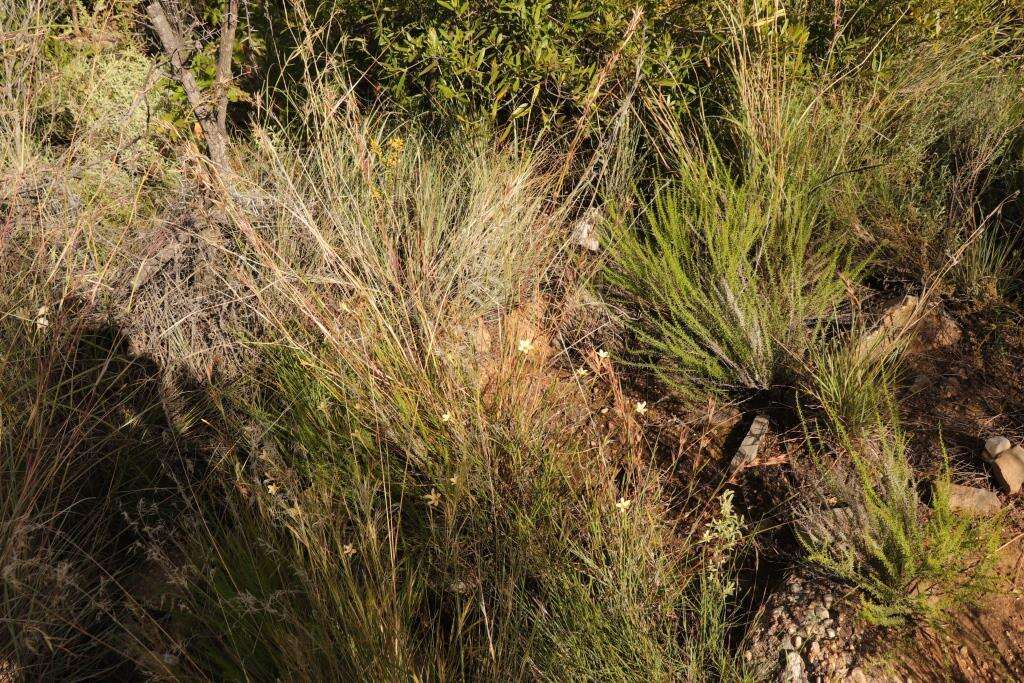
[996, 445]
[970, 500]
[896, 320]
[1009, 469]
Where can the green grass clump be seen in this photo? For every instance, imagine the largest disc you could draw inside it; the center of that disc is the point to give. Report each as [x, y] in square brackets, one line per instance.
[990, 269]
[851, 379]
[425, 503]
[734, 266]
[907, 563]
[458, 549]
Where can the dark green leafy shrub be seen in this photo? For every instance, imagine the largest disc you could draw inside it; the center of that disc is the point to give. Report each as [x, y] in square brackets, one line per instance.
[539, 62]
[536, 59]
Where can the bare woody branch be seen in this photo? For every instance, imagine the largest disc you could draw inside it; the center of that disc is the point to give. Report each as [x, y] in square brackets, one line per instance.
[226, 49]
[212, 118]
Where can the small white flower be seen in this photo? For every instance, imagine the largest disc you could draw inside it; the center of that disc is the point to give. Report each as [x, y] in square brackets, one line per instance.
[525, 346]
[623, 504]
[601, 353]
[42, 322]
[433, 498]
[640, 407]
[582, 372]
[348, 550]
[447, 417]
[454, 481]
[273, 489]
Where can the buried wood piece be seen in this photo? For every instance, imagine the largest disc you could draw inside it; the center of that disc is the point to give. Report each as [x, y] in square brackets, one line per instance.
[746, 454]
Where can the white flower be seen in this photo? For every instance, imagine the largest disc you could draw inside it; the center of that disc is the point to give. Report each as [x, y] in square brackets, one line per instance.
[447, 417]
[601, 353]
[348, 550]
[582, 372]
[640, 407]
[433, 498]
[623, 504]
[525, 346]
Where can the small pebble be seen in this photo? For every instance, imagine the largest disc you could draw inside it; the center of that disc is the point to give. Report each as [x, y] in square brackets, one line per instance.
[798, 641]
[822, 613]
[791, 630]
[831, 633]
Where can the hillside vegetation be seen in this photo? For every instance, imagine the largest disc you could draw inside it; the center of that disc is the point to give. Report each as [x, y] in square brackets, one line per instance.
[420, 341]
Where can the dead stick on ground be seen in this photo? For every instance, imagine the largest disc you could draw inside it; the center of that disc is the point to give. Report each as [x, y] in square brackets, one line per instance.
[212, 120]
